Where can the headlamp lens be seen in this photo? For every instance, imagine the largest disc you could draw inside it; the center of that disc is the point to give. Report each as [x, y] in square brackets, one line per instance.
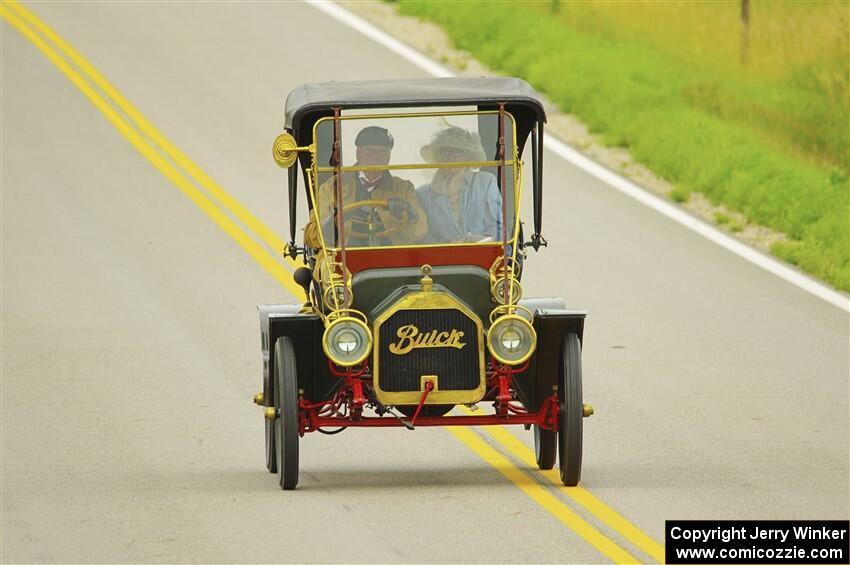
[347, 341]
[511, 340]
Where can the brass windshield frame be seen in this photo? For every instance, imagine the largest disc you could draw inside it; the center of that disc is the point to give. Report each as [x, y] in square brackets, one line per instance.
[514, 163]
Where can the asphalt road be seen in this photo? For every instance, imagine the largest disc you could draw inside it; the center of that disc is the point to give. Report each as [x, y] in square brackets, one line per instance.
[130, 338]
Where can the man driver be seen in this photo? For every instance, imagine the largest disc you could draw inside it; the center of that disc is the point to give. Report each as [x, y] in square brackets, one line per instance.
[402, 218]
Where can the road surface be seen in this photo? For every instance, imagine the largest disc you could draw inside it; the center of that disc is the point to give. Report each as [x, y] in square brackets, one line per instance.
[130, 338]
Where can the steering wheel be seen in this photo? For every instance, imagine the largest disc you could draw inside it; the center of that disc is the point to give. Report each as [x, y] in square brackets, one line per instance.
[370, 227]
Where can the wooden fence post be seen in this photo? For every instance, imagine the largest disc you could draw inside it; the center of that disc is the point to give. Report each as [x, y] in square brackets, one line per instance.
[745, 31]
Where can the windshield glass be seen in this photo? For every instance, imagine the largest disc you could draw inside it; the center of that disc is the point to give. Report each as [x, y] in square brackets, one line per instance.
[415, 179]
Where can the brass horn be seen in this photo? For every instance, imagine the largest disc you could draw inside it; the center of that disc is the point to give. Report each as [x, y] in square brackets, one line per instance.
[285, 150]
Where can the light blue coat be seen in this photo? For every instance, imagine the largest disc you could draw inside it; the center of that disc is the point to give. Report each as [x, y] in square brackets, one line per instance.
[481, 210]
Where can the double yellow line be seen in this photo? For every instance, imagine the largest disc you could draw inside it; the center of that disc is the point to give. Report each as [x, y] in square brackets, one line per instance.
[255, 238]
[21, 19]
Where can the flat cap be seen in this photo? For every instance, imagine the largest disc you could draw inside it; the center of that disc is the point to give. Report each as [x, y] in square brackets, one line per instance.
[374, 135]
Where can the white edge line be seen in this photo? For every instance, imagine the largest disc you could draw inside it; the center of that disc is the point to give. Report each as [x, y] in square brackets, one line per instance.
[359, 24]
[692, 223]
[605, 175]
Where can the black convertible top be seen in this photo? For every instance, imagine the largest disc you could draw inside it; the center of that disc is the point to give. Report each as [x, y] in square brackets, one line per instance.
[309, 102]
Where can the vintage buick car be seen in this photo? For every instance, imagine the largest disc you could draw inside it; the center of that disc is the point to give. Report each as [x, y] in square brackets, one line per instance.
[413, 251]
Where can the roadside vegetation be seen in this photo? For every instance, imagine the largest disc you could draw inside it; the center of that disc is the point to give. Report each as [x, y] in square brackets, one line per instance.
[756, 117]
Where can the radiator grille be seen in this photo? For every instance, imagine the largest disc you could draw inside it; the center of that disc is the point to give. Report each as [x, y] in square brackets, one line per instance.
[456, 368]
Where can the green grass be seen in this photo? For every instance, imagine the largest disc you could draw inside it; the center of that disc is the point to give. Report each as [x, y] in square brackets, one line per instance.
[728, 221]
[768, 138]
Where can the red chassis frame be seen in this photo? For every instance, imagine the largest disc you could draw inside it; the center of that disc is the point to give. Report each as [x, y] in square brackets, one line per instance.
[345, 409]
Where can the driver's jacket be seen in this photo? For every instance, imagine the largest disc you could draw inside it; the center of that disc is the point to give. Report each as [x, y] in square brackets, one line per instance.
[356, 232]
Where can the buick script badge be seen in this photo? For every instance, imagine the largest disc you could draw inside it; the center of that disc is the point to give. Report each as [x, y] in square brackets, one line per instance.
[409, 338]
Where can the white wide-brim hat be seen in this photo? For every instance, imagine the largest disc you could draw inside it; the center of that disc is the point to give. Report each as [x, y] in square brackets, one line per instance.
[457, 138]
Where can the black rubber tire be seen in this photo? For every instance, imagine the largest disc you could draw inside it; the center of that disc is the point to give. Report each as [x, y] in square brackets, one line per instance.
[286, 424]
[570, 416]
[271, 458]
[545, 447]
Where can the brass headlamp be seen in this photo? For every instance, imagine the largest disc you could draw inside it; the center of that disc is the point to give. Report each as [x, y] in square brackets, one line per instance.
[347, 340]
[511, 338]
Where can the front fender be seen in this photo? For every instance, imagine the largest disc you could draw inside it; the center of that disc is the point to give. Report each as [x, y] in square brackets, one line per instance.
[552, 321]
[305, 331]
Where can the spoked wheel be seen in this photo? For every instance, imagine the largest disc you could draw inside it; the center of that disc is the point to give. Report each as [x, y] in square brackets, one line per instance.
[286, 424]
[570, 414]
[545, 447]
[271, 458]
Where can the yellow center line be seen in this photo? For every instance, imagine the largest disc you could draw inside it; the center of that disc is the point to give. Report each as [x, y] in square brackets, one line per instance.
[248, 219]
[581, 495]
[543, 497]
[254, 249]
[535, 491]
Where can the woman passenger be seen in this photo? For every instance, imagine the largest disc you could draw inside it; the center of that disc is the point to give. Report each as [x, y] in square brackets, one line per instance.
[463, 204]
